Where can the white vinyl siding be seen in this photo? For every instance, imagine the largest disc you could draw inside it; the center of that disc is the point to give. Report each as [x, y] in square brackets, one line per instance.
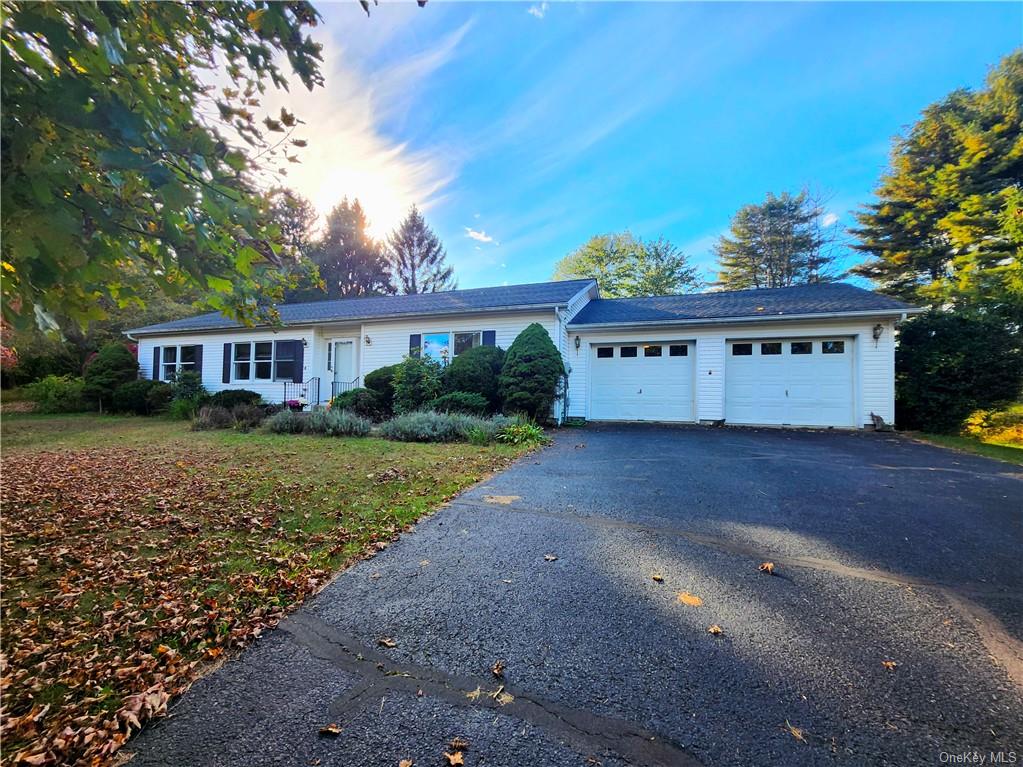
[213, 356]
[389, 341]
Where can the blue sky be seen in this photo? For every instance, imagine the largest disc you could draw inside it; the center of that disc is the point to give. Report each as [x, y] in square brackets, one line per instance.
[524, 128]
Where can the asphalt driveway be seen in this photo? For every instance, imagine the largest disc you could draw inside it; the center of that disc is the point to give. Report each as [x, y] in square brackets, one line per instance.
[884, 550]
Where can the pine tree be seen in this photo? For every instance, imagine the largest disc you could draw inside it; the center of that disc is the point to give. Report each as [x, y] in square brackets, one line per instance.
[351, 262]
[783, 241]
[418, 260]
[947, 226]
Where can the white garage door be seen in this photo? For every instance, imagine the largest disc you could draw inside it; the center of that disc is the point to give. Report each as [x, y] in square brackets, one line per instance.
[796, 381]
[641, 381]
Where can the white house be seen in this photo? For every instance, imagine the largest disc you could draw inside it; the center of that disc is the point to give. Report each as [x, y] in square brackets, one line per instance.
[812, 355]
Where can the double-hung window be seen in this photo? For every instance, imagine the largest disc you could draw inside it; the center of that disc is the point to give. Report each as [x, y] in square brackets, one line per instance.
[175, 359]
[264, 361]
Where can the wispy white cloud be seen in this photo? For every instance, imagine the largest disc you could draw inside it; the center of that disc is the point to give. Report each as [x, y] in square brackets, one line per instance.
[538, 10]
[348, 152]
[829, 219]
[479, 235]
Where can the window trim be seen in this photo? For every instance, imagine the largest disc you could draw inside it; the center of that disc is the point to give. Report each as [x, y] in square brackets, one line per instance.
[605, 349]
[252, 361]
[178, 365]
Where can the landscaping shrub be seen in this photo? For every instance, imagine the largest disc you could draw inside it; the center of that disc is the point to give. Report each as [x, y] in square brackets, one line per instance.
[188, 385]
[533, 374]
[381, 382]
[337, 423]
[362, 402]
[997, 427]
[112, 366]
[417, 380]
[286, 422]
[429, 426]
[522, 433]
[183, 409]
[460, 402]
[213, 417]
[477, 370]
[159, 396]
[948, 365]
[133, 397]
[247, 415]
[230, 397]
[57, 394]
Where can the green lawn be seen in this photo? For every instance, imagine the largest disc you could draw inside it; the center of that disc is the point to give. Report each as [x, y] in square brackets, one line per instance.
[137, 552]
[972, 445]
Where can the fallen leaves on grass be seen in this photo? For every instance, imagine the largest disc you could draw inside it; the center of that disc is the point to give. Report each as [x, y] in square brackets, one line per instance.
[685, 598]
[127, 570]
[767, 568]
[715, 629]
[331, 730]
[795, 732]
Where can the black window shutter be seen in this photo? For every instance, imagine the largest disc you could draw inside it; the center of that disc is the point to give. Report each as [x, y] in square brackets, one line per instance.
[299, 360]
[490, 338]
[198, 360]
[415, 341]
[227, 363]
[156, 363]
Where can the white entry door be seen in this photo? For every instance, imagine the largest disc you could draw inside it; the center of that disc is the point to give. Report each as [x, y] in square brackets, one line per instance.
[790, 381]
[343, 362]
[637, 381]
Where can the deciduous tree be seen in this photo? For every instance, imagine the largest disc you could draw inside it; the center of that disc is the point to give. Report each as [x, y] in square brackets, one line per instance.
[625, 265]
[116, 152]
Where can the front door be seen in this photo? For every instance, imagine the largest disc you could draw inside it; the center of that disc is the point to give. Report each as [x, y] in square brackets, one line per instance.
[343, 366]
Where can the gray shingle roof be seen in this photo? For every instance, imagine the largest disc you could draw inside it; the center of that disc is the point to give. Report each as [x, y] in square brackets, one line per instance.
[385, 307]
[837, 297]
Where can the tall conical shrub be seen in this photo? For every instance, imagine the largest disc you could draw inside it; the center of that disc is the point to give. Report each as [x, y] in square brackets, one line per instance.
[532, 375]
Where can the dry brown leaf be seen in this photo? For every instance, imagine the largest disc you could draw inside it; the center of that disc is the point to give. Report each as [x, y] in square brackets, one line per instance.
[386, 642]
[406, 763]
[889, 664]
[474, 694]
[715, 629]
[332, 729]
[658, 577]
[767, 568]
[458, 743]
[550, 557]
[795, 732]
[685, 598]
[498, 668]
[454, 759]
[504, 500]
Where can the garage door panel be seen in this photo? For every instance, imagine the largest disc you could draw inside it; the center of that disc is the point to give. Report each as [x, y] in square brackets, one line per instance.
[641, 388]
[771, 382]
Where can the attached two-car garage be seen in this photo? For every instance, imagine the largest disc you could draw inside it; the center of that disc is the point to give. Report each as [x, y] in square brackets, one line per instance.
[773, 381]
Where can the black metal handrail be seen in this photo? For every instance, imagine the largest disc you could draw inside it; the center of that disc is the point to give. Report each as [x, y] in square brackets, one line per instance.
[305, 390]
[340, 387]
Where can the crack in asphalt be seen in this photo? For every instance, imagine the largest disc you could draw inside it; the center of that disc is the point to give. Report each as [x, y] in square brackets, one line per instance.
[586, 732]
[1004, 649]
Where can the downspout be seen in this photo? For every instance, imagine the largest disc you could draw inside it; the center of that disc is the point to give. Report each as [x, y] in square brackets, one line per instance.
[560, 325]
